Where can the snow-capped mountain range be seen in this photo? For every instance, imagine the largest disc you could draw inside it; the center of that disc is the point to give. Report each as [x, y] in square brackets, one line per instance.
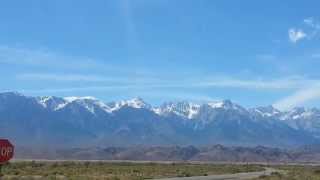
[184, 109]
[87, 120]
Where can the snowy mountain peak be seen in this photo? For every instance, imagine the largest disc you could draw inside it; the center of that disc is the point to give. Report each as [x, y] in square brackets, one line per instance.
[191, 110]
[300, 113]
[297, 110]
[267, 111]
[74, 98]
[182, 108]
[136, 103]
[56, 103]
[50, 102]
[45, 98]
[218, 104]
[225, 104]
[90, 103]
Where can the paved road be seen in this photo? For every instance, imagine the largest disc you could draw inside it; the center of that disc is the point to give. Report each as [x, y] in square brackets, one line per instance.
[239, 176]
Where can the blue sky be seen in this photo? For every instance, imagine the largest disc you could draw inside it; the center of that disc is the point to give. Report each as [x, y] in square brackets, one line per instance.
[252, 52]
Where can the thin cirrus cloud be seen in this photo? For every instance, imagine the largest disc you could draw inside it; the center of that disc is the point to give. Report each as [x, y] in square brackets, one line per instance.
[80, 78]
[299, 98]
[314, 25]
[294, 82]
[43, 58]
[312, 22]
[61, 77]
[40, 58]
[165, 82]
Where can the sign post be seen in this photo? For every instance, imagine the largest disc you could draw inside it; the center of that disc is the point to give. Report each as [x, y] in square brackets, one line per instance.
[6, 152]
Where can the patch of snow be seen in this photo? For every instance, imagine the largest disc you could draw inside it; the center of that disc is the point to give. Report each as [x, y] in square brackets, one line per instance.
[136, 103]
[226, 105]
[74, 98]
[193, 110]
[50, 102]
[216, 104]
[267, 111]
[88, 102]
[42, 100]
[157, 110]
[184, 109]
[60, 106]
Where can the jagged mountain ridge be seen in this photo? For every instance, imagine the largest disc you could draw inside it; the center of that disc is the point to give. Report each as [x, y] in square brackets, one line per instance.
[87, 121]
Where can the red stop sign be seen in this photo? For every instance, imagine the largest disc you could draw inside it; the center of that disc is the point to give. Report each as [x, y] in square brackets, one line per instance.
[6, 150]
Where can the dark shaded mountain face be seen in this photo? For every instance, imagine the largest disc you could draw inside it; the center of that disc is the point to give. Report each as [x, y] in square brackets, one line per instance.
[86, 121]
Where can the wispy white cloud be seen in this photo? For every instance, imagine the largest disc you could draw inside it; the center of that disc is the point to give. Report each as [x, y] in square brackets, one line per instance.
[206, 82]
[293, 82]
[56, 62]
[314, 25]
[309, 21]
[84, 78]
[132, 35]
[77, 89]
[296, 35]
[62, 77]
[312, 22]
[43, 58]
[309, 30]
[299, 98]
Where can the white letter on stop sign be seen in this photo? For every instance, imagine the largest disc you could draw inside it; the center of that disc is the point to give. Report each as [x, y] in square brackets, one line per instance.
[5, 151]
